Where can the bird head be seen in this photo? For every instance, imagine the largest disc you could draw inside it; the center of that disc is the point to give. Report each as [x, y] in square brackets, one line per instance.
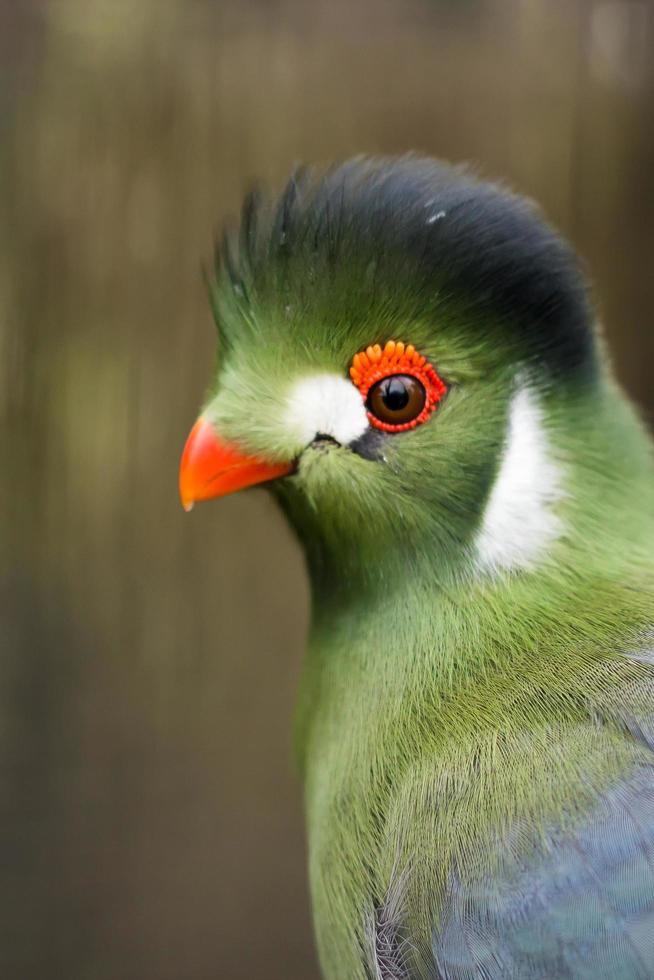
[391, 334]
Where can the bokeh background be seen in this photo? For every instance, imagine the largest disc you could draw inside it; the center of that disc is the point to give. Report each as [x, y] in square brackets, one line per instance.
[150, 821]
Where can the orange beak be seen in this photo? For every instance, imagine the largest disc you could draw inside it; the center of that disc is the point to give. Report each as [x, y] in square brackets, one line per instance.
[211, 467]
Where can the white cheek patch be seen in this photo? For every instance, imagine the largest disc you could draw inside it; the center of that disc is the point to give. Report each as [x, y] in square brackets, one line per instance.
[326, 404]
[519, 522]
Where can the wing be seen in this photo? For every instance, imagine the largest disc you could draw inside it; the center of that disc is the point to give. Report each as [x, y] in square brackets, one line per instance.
[583, 908]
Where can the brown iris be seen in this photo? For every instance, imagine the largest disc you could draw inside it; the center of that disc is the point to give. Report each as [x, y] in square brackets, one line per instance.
[397, 399]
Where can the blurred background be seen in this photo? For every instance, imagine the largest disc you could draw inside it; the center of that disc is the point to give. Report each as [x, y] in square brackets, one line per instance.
[150, 821]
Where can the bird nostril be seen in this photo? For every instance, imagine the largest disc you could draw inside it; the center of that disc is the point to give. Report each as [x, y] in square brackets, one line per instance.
[323, 441]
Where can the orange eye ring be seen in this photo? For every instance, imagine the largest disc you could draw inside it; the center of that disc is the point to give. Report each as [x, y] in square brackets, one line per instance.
[396, 358]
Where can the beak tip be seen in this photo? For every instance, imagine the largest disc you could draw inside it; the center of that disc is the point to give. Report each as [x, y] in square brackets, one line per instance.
[186, 499]
[212, 467]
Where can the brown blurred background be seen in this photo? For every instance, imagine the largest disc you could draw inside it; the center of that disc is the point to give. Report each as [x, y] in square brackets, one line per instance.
[150, 822]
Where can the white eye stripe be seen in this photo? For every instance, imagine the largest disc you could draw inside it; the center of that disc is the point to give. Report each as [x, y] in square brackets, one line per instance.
[327, 404]
[519, 522]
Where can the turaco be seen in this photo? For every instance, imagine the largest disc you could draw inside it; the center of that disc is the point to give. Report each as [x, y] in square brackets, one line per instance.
[408, 361]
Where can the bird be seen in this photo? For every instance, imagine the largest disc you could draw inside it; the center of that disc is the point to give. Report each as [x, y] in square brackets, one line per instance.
[410, 362]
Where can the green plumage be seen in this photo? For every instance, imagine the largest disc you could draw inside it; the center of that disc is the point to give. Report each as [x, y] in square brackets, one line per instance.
[460, 725]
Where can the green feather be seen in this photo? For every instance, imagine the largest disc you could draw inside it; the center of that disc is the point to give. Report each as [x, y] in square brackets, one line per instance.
[442, 705]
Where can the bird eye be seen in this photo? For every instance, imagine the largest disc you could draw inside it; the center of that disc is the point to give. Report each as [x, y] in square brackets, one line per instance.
[400, 387]
[396, 400]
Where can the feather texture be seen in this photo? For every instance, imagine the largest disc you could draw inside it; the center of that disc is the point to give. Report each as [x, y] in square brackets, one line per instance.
[580, 908]
[476, 748]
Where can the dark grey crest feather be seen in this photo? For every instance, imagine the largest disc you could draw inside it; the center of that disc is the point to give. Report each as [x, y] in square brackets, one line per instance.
[229, 260]
[252, 205]
[283, 235]
[439, 241]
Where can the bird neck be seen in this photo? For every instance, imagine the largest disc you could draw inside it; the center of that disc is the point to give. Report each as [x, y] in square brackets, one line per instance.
[423, 614]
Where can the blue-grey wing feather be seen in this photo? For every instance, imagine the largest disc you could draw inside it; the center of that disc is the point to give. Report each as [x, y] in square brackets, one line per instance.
[583, 908]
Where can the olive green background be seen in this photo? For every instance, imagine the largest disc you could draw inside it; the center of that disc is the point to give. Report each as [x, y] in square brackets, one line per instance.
[150, 821]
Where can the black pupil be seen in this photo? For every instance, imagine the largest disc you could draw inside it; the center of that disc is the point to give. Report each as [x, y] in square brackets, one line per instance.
[395, 395]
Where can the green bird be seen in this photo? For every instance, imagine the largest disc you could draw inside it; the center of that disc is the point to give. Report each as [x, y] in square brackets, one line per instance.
[408, 360]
